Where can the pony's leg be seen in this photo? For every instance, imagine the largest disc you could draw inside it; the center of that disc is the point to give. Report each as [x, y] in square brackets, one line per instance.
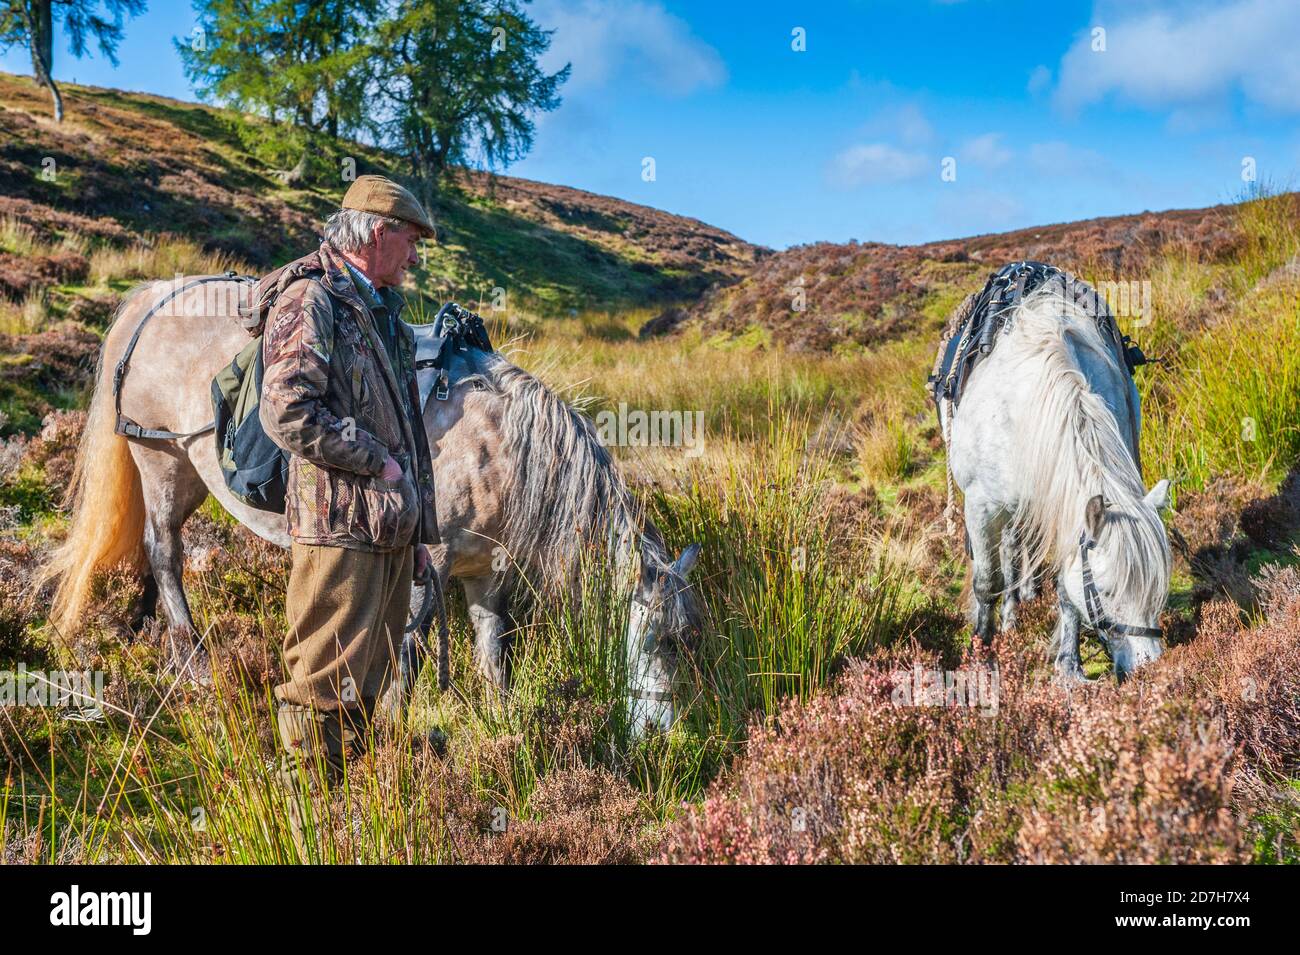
[984, 530]
[173, 491]
[148, 603]
[1029, 584]
[487, 614]
[1008, 555]
[1065, 641]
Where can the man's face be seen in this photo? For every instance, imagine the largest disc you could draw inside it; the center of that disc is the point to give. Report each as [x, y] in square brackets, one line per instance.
[394, 254]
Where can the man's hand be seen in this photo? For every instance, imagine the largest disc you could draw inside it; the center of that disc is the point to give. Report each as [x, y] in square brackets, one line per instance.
[421, 560]
[392, 470]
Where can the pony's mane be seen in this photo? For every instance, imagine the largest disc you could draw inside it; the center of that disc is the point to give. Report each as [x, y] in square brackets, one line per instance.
[1072, 449]
[567, 497]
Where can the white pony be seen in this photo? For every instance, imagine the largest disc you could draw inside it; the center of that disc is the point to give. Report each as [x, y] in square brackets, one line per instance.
[1044, 447]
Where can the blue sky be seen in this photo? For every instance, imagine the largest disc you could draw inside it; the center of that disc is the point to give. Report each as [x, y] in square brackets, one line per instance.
[847, 139]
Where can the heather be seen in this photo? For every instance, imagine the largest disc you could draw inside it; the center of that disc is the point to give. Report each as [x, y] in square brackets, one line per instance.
[1163, 769]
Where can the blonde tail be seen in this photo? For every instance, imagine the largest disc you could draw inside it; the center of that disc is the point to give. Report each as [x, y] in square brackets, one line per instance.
[107, 506]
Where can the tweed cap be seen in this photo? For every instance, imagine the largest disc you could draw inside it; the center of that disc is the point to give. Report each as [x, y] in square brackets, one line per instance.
[381, 196]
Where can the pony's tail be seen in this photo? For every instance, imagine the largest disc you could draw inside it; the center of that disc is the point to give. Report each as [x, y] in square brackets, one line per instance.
[106, 502]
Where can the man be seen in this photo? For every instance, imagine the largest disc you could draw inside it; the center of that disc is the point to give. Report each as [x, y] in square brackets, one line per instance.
[339, 394]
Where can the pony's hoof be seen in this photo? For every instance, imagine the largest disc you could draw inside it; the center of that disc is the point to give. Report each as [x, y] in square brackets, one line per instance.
[433, 742]
[1070, 677]
[192, 664]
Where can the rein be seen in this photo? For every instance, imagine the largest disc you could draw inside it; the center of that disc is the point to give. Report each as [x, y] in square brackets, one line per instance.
[1092, 606]
[418, 626]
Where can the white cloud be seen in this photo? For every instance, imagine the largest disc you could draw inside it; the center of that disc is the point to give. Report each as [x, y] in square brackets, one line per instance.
[638, 42]
[986, 150]
[872, 164]
[910, 124]
[1180, 55]
[904, 122]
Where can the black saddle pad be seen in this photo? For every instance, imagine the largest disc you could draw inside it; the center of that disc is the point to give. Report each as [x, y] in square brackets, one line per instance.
[993, 308]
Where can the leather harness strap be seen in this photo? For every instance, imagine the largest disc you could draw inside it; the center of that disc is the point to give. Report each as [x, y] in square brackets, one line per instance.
[1092, 606]
[129, 427]
[658, 696]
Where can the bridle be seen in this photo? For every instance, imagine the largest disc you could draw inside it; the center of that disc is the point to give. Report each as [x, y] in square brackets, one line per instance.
[635, 692]
[1092, 608]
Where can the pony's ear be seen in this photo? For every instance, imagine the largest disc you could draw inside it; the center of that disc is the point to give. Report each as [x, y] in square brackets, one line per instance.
[1094, 515]
[1158, 497]
[686, 562]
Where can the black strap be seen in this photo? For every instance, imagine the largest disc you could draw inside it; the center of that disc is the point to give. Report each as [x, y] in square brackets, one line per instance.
[129, 427]
[658, 696]
[415, 646]
[1092, 606]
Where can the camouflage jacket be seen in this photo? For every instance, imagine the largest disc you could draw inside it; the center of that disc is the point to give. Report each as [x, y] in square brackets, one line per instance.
[332, 398]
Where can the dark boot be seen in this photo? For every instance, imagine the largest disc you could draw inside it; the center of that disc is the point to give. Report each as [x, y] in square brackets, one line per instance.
[315, 743]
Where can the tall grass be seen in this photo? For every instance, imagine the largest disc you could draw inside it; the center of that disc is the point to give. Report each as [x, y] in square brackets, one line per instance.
[737, 389]
[17, 236]
[27, 318]
[1235, 405]
[163, 258]
[787, 606]
[1227, 400]
[887, 451]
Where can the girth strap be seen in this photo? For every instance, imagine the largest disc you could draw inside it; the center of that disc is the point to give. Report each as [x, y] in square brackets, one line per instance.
[127, 426]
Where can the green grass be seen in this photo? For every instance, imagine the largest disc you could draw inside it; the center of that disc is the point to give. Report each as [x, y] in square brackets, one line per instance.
[1227, 398]
[1235, 406]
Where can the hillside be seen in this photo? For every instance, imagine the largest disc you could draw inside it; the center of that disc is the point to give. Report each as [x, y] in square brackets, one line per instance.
[861, 293]
[124, 167]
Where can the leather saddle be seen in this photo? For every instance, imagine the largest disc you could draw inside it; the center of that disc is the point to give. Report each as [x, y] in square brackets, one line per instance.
[455, 329]
[982, 317]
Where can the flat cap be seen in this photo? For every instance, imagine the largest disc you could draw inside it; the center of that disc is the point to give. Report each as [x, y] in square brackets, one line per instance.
[383, 197]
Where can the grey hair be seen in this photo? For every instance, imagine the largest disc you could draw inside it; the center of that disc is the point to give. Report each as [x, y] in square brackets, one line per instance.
[351, 230]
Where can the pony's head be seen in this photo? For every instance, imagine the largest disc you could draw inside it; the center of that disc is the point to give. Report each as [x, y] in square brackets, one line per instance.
[664, 619]
[1118, 577]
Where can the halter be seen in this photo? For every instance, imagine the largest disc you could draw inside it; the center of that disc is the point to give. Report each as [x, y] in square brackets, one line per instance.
[635, 692]
[1092, 607]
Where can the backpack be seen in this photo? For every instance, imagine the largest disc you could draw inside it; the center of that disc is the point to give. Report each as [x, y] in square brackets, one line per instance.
[255, 468]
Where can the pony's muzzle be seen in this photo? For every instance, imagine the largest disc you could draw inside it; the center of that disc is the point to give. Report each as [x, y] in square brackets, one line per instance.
[1132, 652]
[650, 710]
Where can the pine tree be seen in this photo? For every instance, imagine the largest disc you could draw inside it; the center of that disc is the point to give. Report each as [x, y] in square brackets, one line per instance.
[308, 63]
[461, 80]
[31, 23]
